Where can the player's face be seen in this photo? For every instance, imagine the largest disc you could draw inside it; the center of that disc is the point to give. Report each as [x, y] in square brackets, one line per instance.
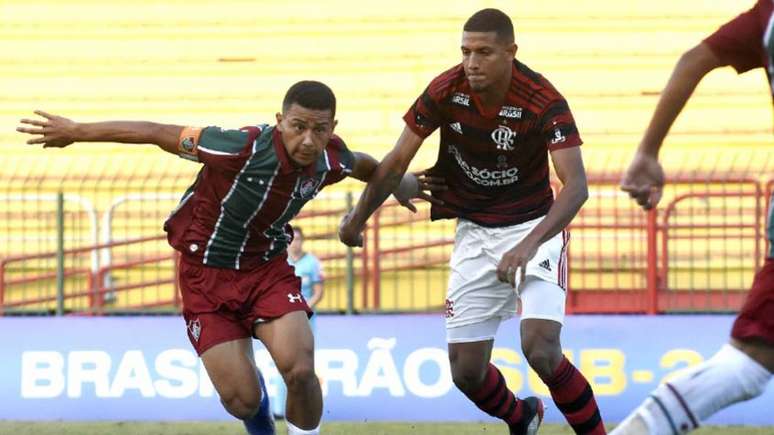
[486, 60]
[305, 132]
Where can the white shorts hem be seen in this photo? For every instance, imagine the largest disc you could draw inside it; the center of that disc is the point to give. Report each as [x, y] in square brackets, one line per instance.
[470, 340]
[557, 319]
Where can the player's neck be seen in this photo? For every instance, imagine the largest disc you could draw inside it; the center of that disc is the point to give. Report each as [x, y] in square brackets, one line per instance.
[494, 97]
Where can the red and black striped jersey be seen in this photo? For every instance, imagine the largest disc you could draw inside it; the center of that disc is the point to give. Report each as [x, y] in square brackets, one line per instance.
[494, 160]
[237, 213]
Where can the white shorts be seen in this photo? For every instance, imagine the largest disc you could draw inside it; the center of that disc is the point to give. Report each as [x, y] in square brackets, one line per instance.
[476, 299]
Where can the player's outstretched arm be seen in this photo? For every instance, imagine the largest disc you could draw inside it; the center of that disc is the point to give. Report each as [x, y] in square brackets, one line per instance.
[385, 178]
[412, 185]
[57, 132]
[645, 178]
[568, 163]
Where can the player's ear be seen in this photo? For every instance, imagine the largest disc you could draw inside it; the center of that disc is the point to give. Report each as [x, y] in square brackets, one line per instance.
[278, 117]
[335, 123]
[513, 49]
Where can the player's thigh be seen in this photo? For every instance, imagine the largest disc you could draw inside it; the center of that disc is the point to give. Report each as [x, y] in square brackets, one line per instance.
[762, 352]
[753, 329]
[231, 368]
[289, 340]
[542, 315]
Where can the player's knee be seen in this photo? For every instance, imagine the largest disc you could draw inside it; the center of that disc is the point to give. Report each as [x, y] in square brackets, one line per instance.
[242, 404]
[467, 380]
[301, 377]
[542, 359]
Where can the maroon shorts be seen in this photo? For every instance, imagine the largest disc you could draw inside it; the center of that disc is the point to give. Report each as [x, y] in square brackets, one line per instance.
[221, 305]
[756, 319]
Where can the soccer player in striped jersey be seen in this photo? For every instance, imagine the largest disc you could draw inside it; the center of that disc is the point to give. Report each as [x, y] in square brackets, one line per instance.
[742, 368]
[499, 123]
[232, 231]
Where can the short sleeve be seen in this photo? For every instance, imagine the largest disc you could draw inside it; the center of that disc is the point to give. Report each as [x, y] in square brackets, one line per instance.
[424, 116]
[217, 147]
[557, 126]
[739, 42]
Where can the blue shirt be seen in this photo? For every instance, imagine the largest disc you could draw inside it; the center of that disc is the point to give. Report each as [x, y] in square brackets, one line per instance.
[309, 270]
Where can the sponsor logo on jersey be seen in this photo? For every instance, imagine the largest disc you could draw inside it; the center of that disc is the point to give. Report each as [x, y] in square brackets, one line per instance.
[503, 136]
[461, 99]
[195, 328]
[295, 297]
[558, 137]
[502, 176]
[308, 187]
[456, 126]
[510, 112]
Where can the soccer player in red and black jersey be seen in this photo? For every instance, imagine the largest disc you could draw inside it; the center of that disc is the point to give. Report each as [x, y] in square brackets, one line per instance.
[232, 230]
[741, 369]
[499, 123]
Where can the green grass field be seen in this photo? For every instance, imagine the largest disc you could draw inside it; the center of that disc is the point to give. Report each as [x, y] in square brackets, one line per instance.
[370, 428]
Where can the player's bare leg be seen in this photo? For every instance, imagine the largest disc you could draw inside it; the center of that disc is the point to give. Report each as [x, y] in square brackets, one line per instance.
[290, 342]
[758, 350]
[569, 389]
[485, 386]
[231, 367]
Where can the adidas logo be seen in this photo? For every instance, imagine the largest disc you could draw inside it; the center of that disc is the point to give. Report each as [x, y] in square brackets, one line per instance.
[545, 265]
[456, 126]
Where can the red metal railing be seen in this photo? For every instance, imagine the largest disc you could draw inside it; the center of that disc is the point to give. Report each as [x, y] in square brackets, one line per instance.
[622, 259]
[93, 290]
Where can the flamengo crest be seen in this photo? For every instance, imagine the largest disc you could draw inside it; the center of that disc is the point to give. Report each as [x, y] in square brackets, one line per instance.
[503, 137]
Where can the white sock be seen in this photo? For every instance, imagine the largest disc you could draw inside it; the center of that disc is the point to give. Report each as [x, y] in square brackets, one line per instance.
[678, 406]
[293, 430]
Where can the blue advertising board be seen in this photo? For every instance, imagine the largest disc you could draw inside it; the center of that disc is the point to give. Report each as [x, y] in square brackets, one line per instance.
[379, 367]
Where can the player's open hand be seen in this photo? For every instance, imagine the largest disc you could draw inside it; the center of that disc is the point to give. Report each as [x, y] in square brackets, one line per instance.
[644, 180]
[54, 131]
[419, 185]
[514, 262]
[349, 234]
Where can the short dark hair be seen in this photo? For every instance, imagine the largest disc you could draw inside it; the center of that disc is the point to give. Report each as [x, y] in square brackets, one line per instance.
[298, 230]
[491, 20]
[310, 95]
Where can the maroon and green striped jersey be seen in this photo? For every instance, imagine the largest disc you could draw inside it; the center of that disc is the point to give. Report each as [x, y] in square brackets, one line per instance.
[236, 213]
[494, 160]
[745, 43]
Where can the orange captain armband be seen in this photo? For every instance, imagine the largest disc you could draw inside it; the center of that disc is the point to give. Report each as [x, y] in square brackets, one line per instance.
[188, 142]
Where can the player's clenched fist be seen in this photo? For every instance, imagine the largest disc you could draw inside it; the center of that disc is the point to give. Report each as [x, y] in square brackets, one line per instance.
[644, 180]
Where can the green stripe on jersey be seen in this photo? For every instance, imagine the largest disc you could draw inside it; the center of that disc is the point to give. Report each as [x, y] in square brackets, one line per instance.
[224, 141]
[244, 200]
[276, 232]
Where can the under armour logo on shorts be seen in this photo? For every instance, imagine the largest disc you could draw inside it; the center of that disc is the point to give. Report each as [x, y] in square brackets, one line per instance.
[195, 328]
[293, 298]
